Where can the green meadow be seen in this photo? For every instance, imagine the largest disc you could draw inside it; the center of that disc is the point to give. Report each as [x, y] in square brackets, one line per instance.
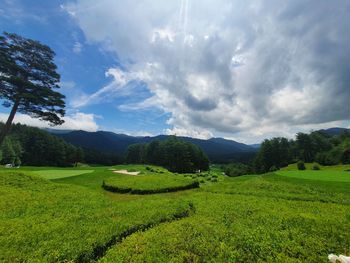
[286, 216]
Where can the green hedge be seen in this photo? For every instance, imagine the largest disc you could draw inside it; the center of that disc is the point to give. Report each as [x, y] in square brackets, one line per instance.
[126, 190]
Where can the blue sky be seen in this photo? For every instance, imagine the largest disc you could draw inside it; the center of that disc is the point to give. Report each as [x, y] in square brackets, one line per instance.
[244, 70]
[81, 64]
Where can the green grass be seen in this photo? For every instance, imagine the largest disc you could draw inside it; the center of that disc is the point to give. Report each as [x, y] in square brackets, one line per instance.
[57, 174]
[51, 222]
[255, 218]
[308, 166]
[148, 181]
[322, 175]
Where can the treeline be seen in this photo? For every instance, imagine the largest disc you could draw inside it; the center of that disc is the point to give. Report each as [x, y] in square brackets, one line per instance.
[174, 154]
[32, 146]
[314, 147]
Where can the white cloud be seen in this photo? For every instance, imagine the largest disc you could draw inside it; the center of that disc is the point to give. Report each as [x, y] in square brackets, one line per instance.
[227, 67]
[122, 84]
[152, 102]
[189, 133]
[77, 47]
[75, 121]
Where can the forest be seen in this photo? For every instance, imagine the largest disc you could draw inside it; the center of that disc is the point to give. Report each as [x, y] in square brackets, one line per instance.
[174, 154]
[315, 147]
[35, 147]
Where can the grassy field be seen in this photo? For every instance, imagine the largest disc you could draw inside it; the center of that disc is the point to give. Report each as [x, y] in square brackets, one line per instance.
[57, 174]
[150, 179]
[266, 218]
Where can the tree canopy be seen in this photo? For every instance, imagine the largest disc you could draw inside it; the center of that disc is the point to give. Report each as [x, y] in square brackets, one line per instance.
[28, 80]
[174, 154]
[314, 147]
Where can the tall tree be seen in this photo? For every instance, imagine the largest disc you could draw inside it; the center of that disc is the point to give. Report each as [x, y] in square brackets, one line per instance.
[28, 80]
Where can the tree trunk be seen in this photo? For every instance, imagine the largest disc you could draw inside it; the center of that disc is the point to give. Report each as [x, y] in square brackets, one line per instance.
[7, 126]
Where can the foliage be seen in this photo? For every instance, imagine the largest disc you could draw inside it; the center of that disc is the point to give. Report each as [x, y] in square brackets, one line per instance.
[37, 147]
[301, 165]
[10, 152]
[173, 153]
[40, 148]
[28, 80]
[275, 153]
[315, 167]
[236, 169]
[314, 147]
[112, 187]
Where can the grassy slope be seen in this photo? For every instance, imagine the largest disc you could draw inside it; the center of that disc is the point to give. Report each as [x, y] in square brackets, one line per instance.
[250, 219]
[149, 180]
[246, 219]
[57, 174]
[45, 221]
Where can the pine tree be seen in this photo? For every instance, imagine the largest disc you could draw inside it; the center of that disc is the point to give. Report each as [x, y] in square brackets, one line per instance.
[28, 80]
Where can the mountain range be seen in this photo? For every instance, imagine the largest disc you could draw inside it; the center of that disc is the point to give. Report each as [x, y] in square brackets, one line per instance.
[217, 149]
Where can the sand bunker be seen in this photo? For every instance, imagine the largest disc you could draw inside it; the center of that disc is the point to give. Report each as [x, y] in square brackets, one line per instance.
[126, 172]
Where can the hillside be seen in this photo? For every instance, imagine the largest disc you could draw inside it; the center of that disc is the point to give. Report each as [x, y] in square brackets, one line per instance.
[334, 131]
[217, 149]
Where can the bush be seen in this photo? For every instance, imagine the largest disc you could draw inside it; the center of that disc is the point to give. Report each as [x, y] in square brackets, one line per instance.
[315, 167]
[273, 169]
[236, 169]
[125, 190]
[301, 165]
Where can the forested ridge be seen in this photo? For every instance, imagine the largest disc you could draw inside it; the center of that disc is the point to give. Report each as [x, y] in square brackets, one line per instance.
[32, 146]
[173, 153]
[317, 146]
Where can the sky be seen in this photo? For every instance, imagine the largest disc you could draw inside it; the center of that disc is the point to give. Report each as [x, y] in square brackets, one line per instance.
[242, 70]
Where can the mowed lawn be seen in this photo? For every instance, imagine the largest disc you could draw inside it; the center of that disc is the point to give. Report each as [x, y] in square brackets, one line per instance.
[330, 176]
[57, 174]
[255, 218]
[339, 173]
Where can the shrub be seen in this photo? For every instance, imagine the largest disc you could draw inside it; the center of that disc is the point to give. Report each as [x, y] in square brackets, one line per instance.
[236, 169]
[273, 169]
[301, 165]
[124, 190]
[315, 167]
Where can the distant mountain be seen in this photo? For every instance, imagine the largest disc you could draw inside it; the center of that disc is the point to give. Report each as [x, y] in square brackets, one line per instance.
[334, 131]
[217, 149]
[255, 146]
[56, 131]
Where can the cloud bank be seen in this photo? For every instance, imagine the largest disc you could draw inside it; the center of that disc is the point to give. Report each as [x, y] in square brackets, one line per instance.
[228, 67]
[76, 121]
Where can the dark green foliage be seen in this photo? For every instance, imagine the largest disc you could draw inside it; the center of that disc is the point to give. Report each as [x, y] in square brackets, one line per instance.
[173, 153]
[116, 189]
[36, 147]
[301, 165]
[40, 148]
[92, 156]
[28, 80]
[8, 154]
[136, 153]
[314, 147]
[236, 169]
[315, 167]
[277, 153]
